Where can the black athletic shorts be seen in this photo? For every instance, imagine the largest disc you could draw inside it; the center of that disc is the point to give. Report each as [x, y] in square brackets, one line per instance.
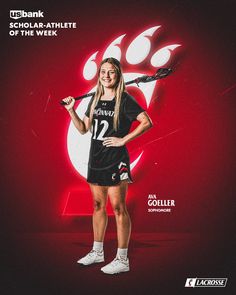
[110, 176]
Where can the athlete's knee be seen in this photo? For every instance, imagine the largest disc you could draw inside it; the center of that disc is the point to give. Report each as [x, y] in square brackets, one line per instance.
[99, 206]
[119, 209]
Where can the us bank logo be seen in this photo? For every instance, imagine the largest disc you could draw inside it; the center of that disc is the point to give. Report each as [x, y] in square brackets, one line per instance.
[139, 56]
[205, 282]
[16, 14]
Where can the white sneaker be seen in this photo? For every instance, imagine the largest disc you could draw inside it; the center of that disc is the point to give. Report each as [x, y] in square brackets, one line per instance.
[116, 266]
[92, 257]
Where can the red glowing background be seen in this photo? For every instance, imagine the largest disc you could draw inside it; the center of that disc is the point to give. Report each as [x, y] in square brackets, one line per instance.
[188, 153]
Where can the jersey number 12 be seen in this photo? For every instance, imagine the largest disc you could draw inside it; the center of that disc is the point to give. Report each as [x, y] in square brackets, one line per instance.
[100, 134]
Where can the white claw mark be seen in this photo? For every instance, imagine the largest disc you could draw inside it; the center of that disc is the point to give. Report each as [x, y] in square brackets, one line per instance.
[140, 47]
[90, 67]
[134, 163]
[162, 56]
[146, 88]
[46, 106]
[113, 50]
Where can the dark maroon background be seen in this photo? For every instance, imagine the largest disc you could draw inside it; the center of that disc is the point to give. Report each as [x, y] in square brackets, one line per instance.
[195, 166]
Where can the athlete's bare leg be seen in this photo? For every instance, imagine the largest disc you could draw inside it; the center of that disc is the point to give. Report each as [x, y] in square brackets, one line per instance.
[117, 196]
[99, 214]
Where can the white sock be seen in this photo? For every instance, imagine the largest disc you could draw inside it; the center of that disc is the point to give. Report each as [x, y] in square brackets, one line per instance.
[122, 253]
[98, 246]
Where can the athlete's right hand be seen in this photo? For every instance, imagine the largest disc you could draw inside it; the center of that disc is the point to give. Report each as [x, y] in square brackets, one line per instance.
[70, 101]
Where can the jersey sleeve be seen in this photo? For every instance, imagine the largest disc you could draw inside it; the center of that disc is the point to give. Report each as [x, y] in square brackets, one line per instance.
[132, 108]
[87, 113]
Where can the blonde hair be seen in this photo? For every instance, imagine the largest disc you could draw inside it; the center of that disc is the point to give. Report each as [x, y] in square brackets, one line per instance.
[119, 89]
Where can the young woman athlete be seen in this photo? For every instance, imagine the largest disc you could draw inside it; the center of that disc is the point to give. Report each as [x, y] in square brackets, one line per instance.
[109, 117]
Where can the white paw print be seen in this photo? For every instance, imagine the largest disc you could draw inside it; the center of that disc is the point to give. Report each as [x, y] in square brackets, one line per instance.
[138, 51]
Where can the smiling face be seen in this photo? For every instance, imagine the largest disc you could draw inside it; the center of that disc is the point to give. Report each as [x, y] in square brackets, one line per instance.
[108, 75]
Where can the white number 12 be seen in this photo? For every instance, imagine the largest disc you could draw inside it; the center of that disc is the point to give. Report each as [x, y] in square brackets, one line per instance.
[102, 132]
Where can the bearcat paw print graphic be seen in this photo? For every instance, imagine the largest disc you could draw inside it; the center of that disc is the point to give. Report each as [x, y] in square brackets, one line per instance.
[134, 54]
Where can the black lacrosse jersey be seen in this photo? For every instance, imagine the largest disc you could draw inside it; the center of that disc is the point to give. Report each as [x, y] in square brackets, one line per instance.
[102, 157]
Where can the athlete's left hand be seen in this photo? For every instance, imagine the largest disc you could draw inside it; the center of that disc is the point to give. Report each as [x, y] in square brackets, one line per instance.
[113, 141]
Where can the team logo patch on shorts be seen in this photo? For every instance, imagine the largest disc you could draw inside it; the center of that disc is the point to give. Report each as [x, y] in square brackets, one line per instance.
[123, 171]
[113, 177]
